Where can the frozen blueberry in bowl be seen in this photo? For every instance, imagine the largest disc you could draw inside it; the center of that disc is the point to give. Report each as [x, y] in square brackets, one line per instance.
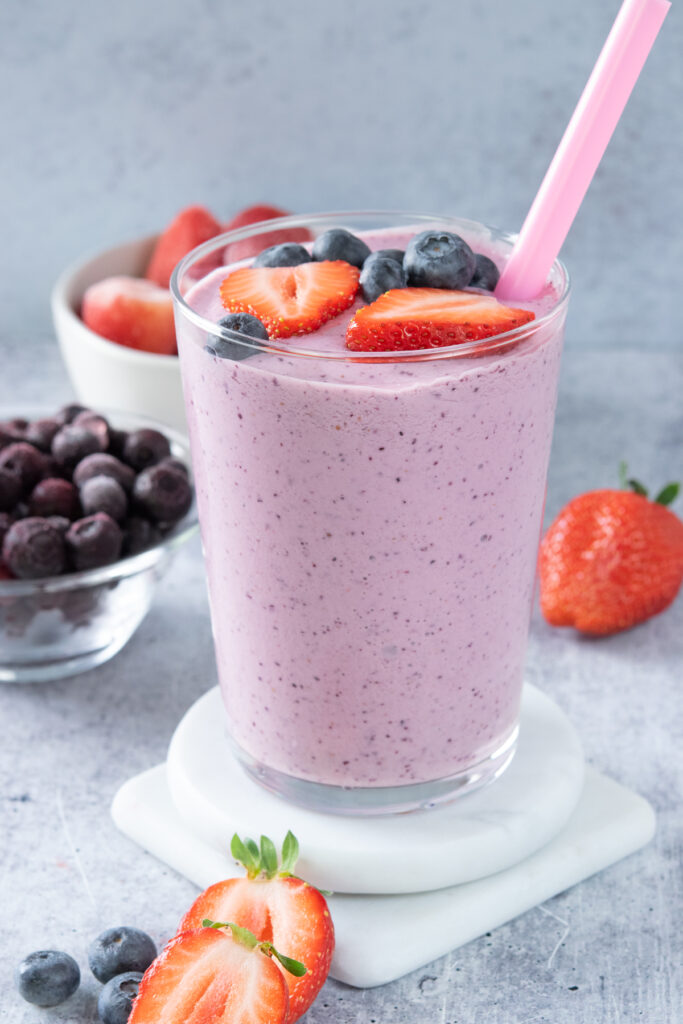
[83, 543]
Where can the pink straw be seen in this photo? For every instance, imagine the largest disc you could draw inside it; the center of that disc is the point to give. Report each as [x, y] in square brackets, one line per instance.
[581, 149]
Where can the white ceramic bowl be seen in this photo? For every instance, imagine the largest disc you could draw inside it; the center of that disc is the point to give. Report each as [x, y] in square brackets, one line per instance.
[104, 374]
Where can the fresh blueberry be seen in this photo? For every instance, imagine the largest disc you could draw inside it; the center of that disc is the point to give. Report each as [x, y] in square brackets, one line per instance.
[72, 443]
[138, 535]
[93, 542]
[68, 413]
[162, 493]
[10, 488]
[144, 448]
[117, 440]
[41, 432]
[118, 950]
[24, 460]
[96, 424]
[486, 273]
[102, 464]
[236, 323]
[5, 523]
[390, 254]
[54, 497]
[438, 259]
[47, 977]
[33, 549]
[287, 254]
[173, 463]
[339, 244]
[115, 1001]
[104, 494]
[379, 274]
[60, 523]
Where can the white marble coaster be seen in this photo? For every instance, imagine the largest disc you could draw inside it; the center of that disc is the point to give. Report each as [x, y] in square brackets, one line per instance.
[380, 938]
[473, 836]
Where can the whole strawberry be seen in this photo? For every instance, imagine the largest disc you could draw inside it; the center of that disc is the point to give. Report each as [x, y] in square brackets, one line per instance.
[277, 907]
[611, 559]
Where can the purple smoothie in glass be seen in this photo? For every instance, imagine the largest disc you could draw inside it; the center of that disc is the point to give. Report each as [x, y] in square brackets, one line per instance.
[370, 531]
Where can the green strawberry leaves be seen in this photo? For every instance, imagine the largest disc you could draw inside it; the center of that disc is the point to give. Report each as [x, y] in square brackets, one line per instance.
[666, 496]
[262, 861]
[249, 940]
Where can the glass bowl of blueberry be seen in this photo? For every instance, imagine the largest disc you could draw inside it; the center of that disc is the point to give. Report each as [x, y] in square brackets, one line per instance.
[93, 507]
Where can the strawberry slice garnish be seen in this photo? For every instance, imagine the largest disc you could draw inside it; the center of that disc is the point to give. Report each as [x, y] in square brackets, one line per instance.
[278, 908]
[292, 300]
[211, 975]
[404, 319]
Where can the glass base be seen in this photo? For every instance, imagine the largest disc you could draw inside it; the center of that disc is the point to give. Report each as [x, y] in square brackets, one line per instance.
[368, 800]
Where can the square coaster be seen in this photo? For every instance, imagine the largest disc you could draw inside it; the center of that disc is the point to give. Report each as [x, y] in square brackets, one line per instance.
[608, 823]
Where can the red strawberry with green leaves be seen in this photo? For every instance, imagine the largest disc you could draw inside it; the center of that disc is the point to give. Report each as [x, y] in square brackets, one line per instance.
[213, 976]
[406, 319]
[277, 907]
[291, 300]
[611, 559]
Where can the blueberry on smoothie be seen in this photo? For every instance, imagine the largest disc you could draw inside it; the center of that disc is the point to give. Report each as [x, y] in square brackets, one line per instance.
[93, 542]
[47, 977]
[240, 323]
[486, 273]
[438, 259]
[119, 950]
[115, 1001]
[144, 448]
[339, 244]
[379, 274]
[287, 254]
[389, 254]
[33, 548]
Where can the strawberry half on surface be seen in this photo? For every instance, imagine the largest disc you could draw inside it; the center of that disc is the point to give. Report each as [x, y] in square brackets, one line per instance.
[406, 319]
[210, 976]
[291, 300]
[278, 908]
[611, 560]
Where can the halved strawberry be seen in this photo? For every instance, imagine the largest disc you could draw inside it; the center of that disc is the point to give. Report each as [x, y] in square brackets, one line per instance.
[291, 300]
[131, 312]
[252, 246]
[277, 907]
[405, 319]
[213, 976]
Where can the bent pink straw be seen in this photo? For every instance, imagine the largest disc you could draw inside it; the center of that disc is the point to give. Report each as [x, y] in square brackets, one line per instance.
[581, 149]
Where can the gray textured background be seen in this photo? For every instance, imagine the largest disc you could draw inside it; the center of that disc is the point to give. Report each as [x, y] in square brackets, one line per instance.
[115, 115]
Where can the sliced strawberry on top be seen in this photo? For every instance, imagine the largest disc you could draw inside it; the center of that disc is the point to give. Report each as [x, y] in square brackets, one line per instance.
[212, 976]
[252, 246]
[291, 300]
[188, 229]
[277, 907]
[404, 319]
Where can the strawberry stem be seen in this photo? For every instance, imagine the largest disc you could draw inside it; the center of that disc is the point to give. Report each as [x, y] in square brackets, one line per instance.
[668, 494]
[249, 940]
[263, 860]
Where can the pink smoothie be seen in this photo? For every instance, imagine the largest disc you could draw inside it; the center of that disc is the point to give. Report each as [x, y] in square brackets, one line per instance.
[370, 533]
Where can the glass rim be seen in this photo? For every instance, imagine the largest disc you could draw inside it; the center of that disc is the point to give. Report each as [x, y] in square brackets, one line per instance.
[476, 348]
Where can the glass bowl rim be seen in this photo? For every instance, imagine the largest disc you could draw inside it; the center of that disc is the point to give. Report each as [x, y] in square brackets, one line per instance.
[131, 565]
[477, 348]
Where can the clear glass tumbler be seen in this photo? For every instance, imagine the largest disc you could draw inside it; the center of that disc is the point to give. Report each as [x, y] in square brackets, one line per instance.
[370, 524]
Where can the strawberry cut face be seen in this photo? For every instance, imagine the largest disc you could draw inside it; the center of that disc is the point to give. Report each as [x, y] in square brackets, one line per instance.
[291, 300]
[408, 319]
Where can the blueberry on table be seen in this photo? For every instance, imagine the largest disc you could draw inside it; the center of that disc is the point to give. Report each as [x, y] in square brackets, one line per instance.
[119, 950]
[54, 497]
[93, 542]
[104, 494]
[116, 998]
[339, 244]
[486, 273]
[438, 259]
[33, 549]
[24, 460]
[163, 493]
[379, 275]
[103, 464]
[10, 488]
[72, 443]
[47, 977]
[239, 323]
[144, 448]
[287, 254]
